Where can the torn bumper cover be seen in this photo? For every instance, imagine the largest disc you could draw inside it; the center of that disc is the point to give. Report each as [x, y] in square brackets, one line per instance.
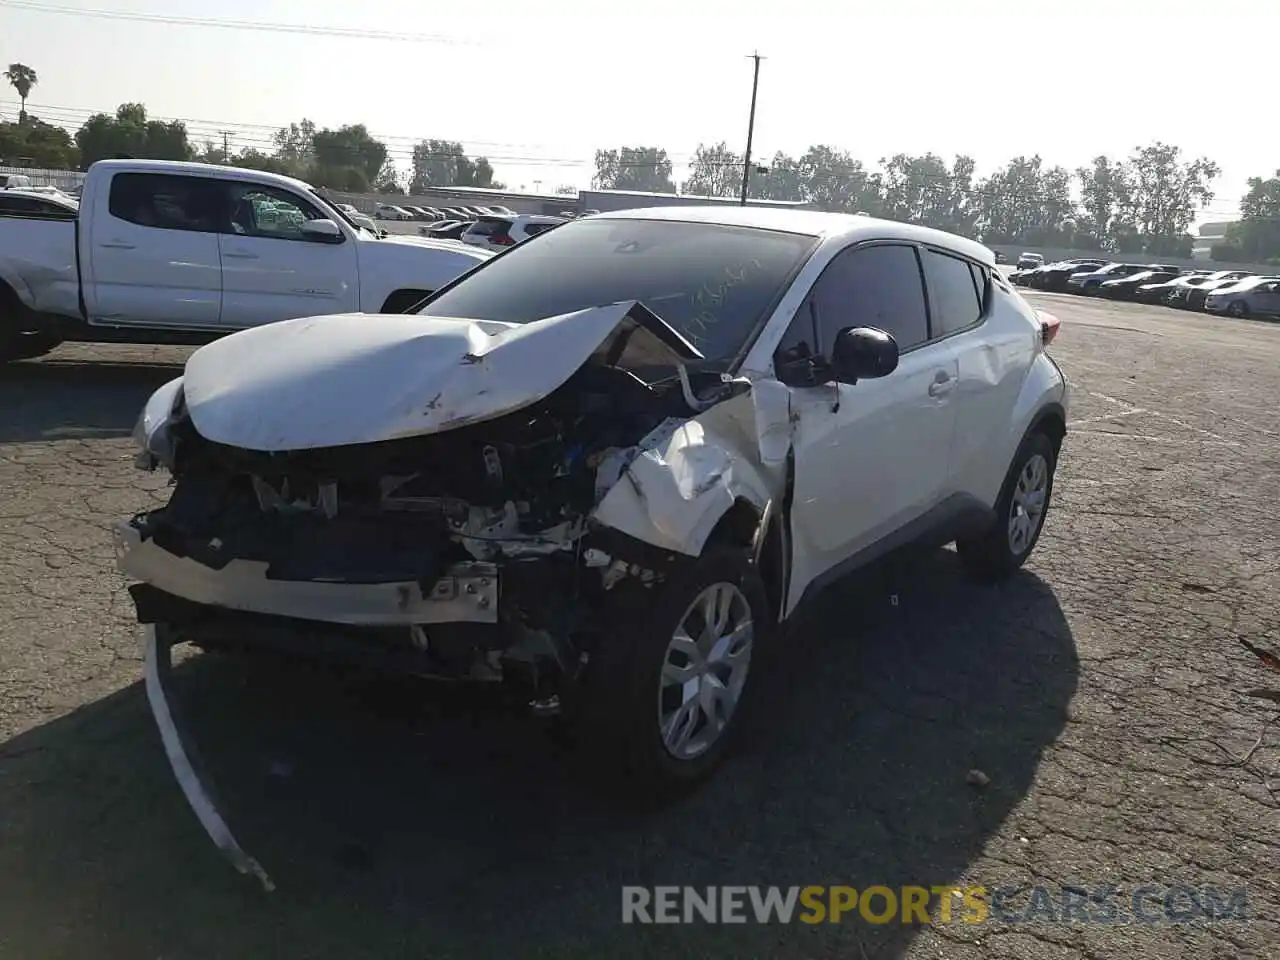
[463, 593]
[158, 655]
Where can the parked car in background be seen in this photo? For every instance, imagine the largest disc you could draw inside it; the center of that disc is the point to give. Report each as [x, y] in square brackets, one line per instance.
[494, 233]
[1178, 291]
[1000, 257]
[14, 181]
[387, 211]
[1029, 261]
[183, 253]
[39, 206]
[1251, 297]
[1195, 297]
[446, 229]
[1054, 276]
[1088, 282]
[358, 218]
[577, 478]
[1126, 288]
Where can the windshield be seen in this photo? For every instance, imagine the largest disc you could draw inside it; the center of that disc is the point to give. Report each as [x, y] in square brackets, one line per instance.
[712, 283]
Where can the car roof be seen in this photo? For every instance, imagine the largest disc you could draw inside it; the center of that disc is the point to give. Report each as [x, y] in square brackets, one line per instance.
[179, 167]
[848, 227]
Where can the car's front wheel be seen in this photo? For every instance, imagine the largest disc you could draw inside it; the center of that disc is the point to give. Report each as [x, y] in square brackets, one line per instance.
[672, 675]
[1020, 513]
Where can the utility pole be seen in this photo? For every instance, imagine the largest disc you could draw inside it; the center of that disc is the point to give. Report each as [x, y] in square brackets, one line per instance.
[751, 127]
[226, 147]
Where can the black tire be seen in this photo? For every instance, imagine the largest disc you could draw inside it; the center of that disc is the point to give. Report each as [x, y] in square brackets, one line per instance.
[989, 556]
[1238, 308]
[25, 346]
[615, 710]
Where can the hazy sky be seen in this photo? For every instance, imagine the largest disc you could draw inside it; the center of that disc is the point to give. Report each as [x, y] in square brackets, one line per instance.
[538, 86]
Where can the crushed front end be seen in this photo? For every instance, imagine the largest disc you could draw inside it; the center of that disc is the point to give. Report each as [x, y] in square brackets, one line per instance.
[463, 555]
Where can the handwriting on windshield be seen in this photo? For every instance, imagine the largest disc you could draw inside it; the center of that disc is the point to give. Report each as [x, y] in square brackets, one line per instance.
[710, 298]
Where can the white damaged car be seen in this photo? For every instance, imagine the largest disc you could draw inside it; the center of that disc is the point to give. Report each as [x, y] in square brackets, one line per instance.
[602, 468]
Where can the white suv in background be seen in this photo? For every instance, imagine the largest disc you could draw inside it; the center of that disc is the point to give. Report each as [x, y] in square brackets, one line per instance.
[385, 211]
[496, 233]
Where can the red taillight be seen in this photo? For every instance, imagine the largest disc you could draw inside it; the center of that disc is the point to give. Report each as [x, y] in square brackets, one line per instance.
[502, 240]
[1049, 326]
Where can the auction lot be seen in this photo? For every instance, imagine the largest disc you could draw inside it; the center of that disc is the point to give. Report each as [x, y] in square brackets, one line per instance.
[1102, 692]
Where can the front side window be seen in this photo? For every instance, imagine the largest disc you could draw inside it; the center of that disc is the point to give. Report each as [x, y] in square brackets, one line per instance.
[876, 286]
[268, 212]
[166, 202]
[714, 284]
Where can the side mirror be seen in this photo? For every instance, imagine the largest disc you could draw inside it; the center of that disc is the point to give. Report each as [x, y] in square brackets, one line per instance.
[321, 231]
[863, 353]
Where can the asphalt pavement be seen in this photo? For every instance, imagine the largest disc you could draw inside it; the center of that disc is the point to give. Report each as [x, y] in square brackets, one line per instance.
[1102, 694]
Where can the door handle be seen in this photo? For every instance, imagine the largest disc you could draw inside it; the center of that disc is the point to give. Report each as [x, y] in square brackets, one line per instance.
[240, 255]
[942, 384]
[117, 245]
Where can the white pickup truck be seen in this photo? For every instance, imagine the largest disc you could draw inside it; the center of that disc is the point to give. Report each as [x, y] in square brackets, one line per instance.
[181, 253]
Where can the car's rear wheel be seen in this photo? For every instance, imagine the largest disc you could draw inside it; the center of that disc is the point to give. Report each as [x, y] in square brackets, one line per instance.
[672, 678]
[1238, 308]
[1020, 513]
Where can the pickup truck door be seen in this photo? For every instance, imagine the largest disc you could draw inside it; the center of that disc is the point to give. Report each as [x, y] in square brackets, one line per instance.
[271, 271]
[152, 256]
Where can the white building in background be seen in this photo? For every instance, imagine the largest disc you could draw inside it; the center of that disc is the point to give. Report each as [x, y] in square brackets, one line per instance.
[1208, 235]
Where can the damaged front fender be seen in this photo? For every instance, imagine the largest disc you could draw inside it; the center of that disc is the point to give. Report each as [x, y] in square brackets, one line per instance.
[675, 486]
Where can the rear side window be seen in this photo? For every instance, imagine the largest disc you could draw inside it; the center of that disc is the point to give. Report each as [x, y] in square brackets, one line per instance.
[490, 227]
[166, 202]
[955, 293]
[33, 208]
[534, 228]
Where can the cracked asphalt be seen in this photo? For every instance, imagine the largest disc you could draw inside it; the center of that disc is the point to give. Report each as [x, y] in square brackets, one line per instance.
[1103, 692]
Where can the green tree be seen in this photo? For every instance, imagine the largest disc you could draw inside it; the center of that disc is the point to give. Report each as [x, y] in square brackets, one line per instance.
[716, 171]
[833, 180]
[129, 133]
[22, 78]
[37, 143]
[350, 147]
[1025, 202]
[295, 144]
[1256, 236]
[444, 163]
[1166, 193]
[647, 169]
[1106, 189]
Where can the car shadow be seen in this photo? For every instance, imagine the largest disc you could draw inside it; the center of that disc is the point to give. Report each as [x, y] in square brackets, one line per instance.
[401, 822]
[72, 400]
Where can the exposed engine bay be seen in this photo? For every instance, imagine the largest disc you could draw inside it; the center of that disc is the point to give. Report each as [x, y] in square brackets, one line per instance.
[491, 521]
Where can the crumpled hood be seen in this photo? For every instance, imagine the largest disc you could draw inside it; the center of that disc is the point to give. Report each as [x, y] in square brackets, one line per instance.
[362, 378]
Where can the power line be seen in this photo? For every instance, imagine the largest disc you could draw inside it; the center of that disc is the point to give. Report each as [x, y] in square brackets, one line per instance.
[353, 33]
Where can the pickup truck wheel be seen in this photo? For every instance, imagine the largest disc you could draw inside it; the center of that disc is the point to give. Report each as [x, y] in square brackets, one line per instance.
[25, 346]
[670, 683]
[1020, 514]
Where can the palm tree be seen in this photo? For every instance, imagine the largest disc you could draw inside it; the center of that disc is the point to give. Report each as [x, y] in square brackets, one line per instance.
[22, 78]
